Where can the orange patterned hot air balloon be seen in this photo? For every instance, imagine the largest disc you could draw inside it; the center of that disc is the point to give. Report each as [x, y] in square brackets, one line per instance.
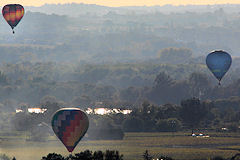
[13, 13]
[70, 125]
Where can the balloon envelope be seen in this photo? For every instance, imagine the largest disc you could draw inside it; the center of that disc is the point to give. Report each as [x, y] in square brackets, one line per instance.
[70, 125]
[13, 13]
[219, 63]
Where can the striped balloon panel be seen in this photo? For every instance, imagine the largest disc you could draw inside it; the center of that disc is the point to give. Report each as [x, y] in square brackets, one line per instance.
[13, 13]
[70, 125]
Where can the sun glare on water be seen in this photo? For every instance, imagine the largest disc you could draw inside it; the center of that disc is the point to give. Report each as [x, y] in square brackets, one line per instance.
[100, 111]
[103, 111]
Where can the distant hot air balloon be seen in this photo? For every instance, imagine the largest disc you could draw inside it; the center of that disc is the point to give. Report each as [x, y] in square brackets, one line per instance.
[13, 13]
[70, 125]
[219, 63]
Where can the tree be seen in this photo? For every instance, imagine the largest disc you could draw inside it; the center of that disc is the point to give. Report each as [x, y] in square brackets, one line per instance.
[162, 80]
[86, 155]
[4, 157]
[103, 127]
[192, 112]
[53, 156]
[131, 94]
[170, 111]
[147, 156]
[113, 155]
[83, 101]
[98, 155]
[133, 124]
[175, 55]
[168, 125]
[174, 124]
[9, 105]
[199, 84]
[180, 87]
[146, 114]
[51, 107]
[3, 79]
[39, 133]
[162, 125]
[162, 89]
[104, 93]
[48, 99]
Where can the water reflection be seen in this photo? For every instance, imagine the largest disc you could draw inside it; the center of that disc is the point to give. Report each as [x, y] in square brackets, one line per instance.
[100, 111]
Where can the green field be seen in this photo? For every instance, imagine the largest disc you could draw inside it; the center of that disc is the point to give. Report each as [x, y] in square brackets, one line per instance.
[177, 145]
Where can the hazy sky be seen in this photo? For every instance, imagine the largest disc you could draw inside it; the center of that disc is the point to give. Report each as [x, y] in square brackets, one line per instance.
[116, 3]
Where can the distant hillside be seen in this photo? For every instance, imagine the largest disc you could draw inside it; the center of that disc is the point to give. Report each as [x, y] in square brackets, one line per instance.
[98, 34]
[75, 9]
[72, 9]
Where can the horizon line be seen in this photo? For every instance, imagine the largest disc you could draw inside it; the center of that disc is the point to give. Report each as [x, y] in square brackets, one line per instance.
[154, 5]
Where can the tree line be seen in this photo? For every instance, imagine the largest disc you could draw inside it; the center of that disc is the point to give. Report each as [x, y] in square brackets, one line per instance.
[108, 155]
[192, 114]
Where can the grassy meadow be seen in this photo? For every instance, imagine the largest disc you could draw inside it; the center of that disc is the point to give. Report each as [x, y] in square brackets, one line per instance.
[175, 145]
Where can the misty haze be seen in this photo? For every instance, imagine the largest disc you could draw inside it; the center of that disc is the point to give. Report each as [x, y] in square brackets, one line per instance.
[137, 74]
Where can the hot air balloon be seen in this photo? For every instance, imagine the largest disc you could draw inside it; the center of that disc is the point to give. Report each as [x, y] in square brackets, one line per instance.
[13, 13]
[219, 63]
[70, 125]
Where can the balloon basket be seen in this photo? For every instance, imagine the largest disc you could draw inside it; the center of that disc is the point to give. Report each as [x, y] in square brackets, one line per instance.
[219, 83]
[70, 156]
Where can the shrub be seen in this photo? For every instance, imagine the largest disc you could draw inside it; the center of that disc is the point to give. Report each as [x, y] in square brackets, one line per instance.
[87, 155]
[53, 156]
[4, 157]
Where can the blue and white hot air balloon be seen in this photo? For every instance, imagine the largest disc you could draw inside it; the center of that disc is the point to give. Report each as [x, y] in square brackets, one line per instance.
[219, 63]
